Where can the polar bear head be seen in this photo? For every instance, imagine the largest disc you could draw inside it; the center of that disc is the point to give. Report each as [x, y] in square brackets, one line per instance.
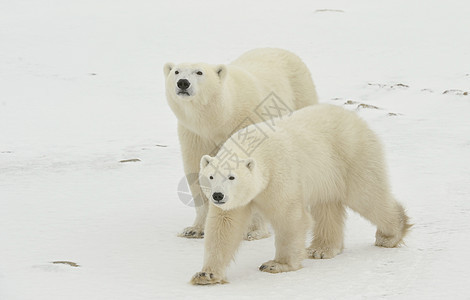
[229, 184]
[193, 81]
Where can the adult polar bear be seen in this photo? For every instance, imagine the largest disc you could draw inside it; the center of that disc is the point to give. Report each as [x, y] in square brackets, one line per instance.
[212, 101]
[313, 163]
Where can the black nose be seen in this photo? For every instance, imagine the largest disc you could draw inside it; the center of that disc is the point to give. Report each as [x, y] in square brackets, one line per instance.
[217, 196]
[183, 84]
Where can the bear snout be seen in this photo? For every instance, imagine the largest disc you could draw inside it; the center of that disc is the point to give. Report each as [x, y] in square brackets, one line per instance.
[218, 197]
[183, 84]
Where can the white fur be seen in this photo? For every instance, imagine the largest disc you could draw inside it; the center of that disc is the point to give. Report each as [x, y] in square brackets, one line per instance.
[311, 166]
[224, 98]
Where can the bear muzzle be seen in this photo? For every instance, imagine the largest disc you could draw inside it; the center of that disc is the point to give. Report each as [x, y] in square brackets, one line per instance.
[218, 198]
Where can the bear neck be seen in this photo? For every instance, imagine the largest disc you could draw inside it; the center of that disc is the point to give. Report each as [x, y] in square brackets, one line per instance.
[213, 121]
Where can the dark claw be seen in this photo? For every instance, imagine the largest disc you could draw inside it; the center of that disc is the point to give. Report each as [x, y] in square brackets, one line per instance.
[262, 267]
[272, 268]
[211, 275]
[191, 233]
[202, 274]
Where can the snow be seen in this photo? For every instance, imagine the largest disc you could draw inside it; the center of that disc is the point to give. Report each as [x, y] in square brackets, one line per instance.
[82, 88]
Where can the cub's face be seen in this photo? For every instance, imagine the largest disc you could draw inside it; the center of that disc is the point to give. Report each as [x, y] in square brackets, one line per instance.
[187, 82]
[228, 184]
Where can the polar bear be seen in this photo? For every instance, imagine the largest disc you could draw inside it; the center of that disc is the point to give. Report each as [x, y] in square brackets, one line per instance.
[309, 166]
[213, 101]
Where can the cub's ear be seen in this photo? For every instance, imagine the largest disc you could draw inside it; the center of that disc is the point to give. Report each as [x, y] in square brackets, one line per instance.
[221, 71]
[249, 163]
[167, 68]
[205, 160]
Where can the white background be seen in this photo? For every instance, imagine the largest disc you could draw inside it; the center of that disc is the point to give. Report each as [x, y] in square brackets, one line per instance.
[82, 87]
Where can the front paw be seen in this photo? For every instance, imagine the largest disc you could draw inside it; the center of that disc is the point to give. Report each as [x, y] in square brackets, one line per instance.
[322, 252]
[206, 278]
[256, 235]
[192, 232]
[273, 266]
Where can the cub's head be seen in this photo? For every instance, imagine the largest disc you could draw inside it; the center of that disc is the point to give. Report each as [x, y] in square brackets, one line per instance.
[188, 82]
[230, 184]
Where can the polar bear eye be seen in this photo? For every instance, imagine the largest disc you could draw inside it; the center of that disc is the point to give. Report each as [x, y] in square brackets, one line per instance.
[199, 73]
[177, 72]
[210, 177]
[231, 178]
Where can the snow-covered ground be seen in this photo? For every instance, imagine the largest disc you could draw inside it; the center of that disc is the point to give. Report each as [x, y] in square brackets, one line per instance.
[82, 88]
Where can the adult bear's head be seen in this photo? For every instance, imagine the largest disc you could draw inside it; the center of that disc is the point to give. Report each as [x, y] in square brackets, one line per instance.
[194, 82]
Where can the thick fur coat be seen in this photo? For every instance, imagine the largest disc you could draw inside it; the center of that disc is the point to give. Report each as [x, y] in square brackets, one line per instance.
[311, 165]
[213, 101]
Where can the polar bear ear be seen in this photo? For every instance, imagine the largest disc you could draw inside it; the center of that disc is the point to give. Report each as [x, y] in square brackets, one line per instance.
[221, 71]
[249, 163]
[205, 160]
[167, 68]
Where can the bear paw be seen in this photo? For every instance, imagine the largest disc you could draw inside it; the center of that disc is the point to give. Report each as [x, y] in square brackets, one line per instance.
[322, 252]
[205, 278]
[273, 266]
[257, 235]
[192, 232]
[382, 240]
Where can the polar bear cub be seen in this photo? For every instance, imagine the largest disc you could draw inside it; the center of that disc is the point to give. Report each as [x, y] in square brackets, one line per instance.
[213, 101]
[310, 165]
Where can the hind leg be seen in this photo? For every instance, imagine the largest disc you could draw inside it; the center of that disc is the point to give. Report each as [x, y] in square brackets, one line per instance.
[301, 82]
[387, 214]
[392, 236]
[328, 230]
